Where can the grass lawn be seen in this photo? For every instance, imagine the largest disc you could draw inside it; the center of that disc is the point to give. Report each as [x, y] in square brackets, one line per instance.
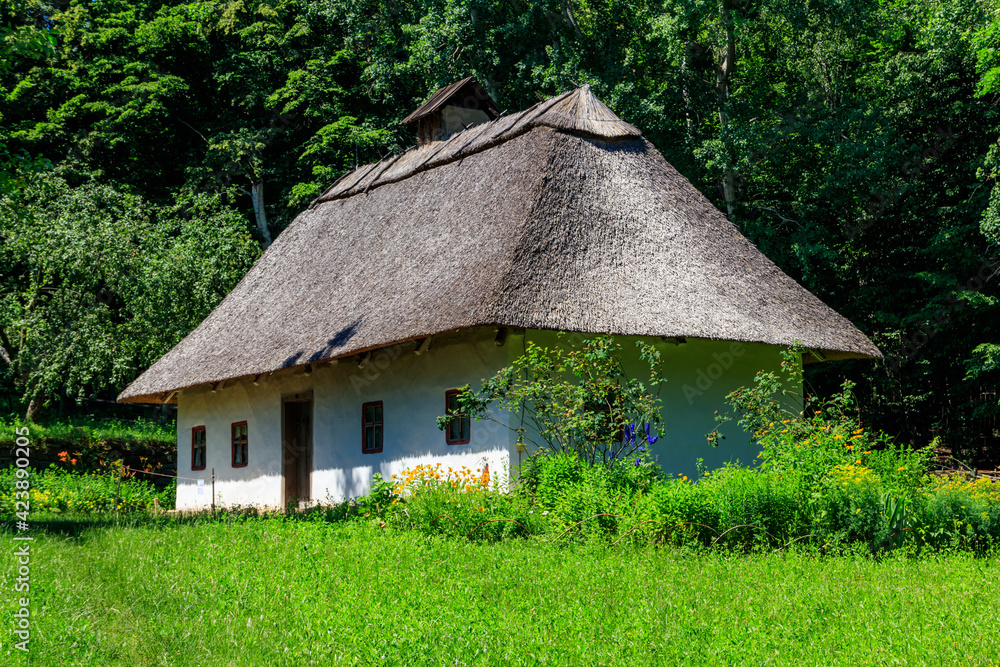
[269, 592]
[81, 431]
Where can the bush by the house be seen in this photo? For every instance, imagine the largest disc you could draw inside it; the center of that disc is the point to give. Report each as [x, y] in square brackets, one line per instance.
[65, 490]
[822, 479]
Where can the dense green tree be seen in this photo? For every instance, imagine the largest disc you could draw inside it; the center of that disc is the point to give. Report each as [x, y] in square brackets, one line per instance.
[855, 141]
[97, 283]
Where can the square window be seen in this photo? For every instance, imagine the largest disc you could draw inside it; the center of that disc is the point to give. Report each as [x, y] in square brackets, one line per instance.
[198, 443]
[371, 427]
[241, 445]
[460, 427]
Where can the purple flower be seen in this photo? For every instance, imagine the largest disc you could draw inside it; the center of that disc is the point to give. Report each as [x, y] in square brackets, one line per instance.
[650, 438]
[638, 462]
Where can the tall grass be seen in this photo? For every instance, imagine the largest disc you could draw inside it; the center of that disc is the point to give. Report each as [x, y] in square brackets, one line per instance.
[559, 497]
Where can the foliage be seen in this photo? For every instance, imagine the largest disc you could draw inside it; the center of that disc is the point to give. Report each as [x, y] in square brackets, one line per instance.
[576, 400]
[99, 283]
[460, 502]
[822, 436]
[379, 497]
[65, 490]
[854, 142]
[732, 508]
[83, 432]
[20, 42]
[820, 476]
[958, 512]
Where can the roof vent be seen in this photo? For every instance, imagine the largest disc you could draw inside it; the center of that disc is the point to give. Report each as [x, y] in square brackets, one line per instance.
[452, 109]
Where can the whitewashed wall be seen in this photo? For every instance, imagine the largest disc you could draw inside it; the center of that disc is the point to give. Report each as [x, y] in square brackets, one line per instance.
[412, 388]
[700, 374]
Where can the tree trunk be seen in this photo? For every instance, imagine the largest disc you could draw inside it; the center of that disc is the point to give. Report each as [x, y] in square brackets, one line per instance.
[571, 19]
[6, 350]
[257, 197]
[34, 407]
[723, 72]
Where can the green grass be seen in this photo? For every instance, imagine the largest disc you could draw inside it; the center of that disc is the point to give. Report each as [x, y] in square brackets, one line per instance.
[83, 431]
[274, 592]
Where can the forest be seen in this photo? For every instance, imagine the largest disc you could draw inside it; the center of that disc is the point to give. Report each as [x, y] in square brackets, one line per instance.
[150, 150]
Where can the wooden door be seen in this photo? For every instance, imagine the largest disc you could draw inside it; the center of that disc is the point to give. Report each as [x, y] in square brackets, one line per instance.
[297, 449]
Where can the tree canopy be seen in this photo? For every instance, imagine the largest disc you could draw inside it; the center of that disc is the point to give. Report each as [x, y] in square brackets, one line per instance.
[854, 141]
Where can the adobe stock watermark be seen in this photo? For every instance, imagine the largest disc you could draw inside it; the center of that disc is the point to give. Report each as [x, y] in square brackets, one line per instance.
[916, 341]
[372, 365]
[707, 376]
[22, 542]
[917, 165]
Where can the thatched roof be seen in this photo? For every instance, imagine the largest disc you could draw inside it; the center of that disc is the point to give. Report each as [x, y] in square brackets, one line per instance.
[558, 217]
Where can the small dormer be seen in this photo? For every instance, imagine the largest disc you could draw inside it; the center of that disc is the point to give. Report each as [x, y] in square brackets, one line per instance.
[452, 109]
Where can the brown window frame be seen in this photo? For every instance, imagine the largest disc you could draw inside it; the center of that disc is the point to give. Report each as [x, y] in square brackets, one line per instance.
[232, 432]
[203, 446]
[447, 432]
[365, 426]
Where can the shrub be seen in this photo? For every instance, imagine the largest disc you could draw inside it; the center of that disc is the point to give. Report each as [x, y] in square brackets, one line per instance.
[820, 476]
[957, 512]
[823, 437]
[850, 506]
[462, 502]
[577, 401]
[58, 490]
[679, 512]
[758, 506]
[603, 497]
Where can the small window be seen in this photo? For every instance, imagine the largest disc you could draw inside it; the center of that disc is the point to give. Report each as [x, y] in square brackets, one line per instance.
[241, 446]
[460, 426]
[198, 448]
[371, 427]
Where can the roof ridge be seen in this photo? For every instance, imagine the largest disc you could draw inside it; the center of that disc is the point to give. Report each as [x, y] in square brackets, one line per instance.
[576, 111]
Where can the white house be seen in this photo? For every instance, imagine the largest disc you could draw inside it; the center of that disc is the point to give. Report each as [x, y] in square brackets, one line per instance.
[426, 271]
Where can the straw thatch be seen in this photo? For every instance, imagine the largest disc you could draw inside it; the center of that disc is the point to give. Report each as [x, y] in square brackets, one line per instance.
[559, 217]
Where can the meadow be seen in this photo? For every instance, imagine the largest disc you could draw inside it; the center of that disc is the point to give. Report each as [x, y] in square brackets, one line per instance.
[275, 591]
